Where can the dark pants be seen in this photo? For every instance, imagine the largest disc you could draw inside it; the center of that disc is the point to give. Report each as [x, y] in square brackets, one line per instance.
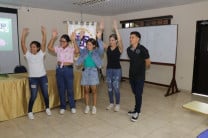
[137, 89]
[34, 83]
[64, 78]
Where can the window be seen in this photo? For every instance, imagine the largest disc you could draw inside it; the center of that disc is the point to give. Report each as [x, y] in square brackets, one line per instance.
[153, 21]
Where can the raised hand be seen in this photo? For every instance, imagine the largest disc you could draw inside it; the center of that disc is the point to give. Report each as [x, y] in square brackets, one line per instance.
[120, 43]
[100, 30]
[73, 39]
[51, 42]
[25, 31]
[82, 33]
[101, 27]
[54, 33]
[43, 30]
[99, 34]
[43, 44]
[115, 27]
[73, 36]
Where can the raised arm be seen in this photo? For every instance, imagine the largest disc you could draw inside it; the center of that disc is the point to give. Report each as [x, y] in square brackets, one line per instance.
[23, 39]
[43, 45]
[100, 42]
[51, 42]
[100, 32]
[74, 43]
[120, 43]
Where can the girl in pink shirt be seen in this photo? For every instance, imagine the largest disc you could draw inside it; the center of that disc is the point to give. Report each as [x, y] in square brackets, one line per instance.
[64, 71]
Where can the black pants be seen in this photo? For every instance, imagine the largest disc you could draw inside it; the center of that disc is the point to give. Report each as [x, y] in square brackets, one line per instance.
[137, 89]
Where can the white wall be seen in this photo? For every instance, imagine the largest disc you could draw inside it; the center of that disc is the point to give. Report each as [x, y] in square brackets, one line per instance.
[185, 16]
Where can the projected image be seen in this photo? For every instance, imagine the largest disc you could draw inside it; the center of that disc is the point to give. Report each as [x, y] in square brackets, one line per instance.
[5, 34]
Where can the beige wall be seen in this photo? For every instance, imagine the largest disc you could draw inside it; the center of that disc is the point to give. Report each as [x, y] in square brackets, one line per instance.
[185, 16]
[50, 19]
[34, 18]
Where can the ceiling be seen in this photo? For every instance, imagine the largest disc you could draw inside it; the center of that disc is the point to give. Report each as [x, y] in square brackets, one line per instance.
[97, 7]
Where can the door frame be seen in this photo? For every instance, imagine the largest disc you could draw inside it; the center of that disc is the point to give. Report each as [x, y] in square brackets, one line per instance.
[196, 56]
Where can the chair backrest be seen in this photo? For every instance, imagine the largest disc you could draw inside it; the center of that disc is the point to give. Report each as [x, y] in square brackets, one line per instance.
[20, 69]
[203, 134]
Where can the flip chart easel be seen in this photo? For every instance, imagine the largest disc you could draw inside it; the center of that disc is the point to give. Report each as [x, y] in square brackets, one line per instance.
[172, 87]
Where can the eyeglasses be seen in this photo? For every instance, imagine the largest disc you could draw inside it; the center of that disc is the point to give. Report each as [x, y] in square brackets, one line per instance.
[62, 41]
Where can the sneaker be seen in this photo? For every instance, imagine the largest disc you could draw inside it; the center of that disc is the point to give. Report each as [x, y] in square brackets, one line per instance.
[117, 108]
[48, 111]
[73, 110]
[62, 111]
[93, 110]
[87, 109]
[134, 117]
[130, 113]
[31, 116]
[109, 106]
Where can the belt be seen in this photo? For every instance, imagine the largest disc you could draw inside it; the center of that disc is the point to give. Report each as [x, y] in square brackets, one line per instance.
[64, 66]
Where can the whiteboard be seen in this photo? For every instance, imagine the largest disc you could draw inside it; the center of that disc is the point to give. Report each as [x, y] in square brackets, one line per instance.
[161, 42]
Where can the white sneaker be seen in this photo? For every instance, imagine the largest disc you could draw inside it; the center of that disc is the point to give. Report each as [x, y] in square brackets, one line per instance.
[73, 110]
[110, 106]
[31, 116]
[48, 111]
[93, 110]
[62, 111]
[134, 117]
[117, 108]
[87, 109]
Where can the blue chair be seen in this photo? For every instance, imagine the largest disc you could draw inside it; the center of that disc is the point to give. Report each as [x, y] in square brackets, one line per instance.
[203, 134]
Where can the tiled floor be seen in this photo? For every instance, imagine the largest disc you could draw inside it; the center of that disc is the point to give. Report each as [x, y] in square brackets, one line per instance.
[161, 117]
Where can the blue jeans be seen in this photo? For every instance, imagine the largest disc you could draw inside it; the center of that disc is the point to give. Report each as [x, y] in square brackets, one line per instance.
[34, 83]
[113, 78]
[64, 78]
[137, 89]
